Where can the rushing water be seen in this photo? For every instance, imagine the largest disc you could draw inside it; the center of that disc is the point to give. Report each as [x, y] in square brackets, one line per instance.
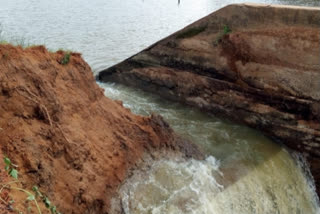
[191, 187]
[245, 173]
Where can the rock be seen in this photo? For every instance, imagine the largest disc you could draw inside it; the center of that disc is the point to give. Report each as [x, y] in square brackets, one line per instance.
[66, 137]
[255, 64]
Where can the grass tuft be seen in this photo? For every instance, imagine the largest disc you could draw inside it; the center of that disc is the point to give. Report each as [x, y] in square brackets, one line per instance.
[66, 58]
[3, 42]
[226, 31]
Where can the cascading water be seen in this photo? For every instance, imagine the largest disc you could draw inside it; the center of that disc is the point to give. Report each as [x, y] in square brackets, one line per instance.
[174, 187]
[244, 172]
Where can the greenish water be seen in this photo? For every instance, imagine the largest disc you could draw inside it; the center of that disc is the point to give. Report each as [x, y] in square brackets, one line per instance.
[244, 173]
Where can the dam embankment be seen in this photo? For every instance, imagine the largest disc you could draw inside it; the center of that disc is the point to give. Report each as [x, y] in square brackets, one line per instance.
[255, 64]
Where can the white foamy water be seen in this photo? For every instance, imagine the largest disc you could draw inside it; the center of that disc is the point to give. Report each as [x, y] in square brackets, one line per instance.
[192, 187]
[174, 187]
[245, 173]
[254, 176]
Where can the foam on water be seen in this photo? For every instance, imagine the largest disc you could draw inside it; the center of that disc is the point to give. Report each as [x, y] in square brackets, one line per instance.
[257, 176]
[191, 187]
[174, 187]
[245, 172]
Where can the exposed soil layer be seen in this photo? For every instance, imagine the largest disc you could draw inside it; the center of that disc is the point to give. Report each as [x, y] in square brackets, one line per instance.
[265, 73]
[66, 137]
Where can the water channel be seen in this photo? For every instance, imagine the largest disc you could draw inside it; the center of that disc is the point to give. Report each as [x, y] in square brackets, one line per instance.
[244, 173]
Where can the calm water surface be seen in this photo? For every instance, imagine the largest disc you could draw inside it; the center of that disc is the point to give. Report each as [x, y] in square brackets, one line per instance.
[245, 173]
[106, 31]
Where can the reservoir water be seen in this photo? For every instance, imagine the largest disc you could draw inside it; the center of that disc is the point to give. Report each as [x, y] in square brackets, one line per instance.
[244, 172]
[106, 31]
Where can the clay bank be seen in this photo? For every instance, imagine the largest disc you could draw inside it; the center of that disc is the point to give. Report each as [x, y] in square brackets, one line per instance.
[254, 64]
[65, 136]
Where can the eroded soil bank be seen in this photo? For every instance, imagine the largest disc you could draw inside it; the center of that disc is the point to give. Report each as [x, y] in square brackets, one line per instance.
[255, 64]
[65, 136]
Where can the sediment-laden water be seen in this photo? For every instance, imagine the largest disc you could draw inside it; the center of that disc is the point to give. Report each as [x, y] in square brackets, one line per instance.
[198, 187]
[244, 173]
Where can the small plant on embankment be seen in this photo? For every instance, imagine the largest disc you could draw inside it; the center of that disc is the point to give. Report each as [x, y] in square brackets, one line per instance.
[2, 41]
[226, 31]
[14, 40]
[10, 168]
[31, 196]
[66, 58]
[191, 32]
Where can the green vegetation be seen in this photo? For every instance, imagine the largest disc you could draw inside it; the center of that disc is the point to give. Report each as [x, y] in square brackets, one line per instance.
[191, 32]
[17, 41]
[22, 42]
[10, 168]
[2, 41]
[66, 58]
[32, 196]
[226, 31]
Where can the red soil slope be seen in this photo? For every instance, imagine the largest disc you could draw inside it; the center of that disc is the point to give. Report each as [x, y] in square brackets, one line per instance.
[65, 135]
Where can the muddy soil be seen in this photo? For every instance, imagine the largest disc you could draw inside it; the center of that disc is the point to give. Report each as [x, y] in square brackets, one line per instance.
[66, 137]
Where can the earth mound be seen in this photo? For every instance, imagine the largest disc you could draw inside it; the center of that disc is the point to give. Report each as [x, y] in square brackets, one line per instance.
[65, 136]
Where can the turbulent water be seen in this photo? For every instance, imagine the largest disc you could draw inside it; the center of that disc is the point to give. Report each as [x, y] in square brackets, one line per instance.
[193, 187]
[245, 173]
